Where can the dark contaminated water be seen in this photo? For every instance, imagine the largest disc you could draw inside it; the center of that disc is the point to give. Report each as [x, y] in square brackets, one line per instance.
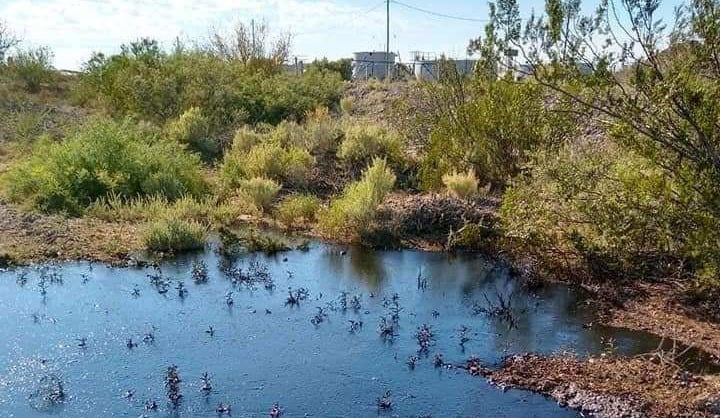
[264, 352]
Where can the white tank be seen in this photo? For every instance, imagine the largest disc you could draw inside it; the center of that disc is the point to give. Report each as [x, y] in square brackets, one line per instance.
[372, 65]
[426, 70]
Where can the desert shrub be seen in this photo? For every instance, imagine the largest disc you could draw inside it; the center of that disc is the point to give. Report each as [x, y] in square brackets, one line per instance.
[343, 67]
[176, 235]
[102, 159]
[260, 191]
[347, 105]
[357, 206]
[245, 139]
[157, 85]
[290, 166]
[611, 211]
[319, 134]
[33, 67]
[297, 208]
[363, 143]
[250, 240]
[461, 185]
[488, 126]
[193, 129]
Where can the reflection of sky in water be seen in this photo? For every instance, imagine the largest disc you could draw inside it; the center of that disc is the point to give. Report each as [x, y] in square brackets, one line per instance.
[256, 359]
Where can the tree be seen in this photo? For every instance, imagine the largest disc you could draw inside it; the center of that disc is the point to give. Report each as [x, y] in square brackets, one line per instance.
[248, 43]
[654, 88]
[7, 40]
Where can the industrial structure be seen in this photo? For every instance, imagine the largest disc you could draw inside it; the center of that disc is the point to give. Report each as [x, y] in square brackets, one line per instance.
[424, 66]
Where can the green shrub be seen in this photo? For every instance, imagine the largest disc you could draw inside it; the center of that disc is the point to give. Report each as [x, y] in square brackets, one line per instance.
[356, 207]
[103, 159]
[297, 208]
[363, 143]
[176, 235]
[193, 129]
[347, 105]
[34, 68]
[251, 240]
[461, 185]
[290, 166]
[319, 134]
[261, 191]
[611, 212]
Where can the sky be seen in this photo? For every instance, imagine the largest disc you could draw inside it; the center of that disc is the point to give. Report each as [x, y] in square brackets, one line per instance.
[74, 29]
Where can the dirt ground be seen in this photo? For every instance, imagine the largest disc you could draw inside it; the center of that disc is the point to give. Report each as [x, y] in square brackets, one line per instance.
[609, 386]
[30, 237]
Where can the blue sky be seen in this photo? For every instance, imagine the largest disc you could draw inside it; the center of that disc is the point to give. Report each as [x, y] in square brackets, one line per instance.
[332, 28]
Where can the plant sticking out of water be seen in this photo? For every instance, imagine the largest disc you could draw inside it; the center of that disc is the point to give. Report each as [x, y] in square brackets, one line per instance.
[422, 282]
[149, 337]
[385, 401]
[296, 296]
[210, 331]
[82, 342]
[275, 411]
[463, 335]
[356, 303]
[206, 386]
[393, 307]
[200, 272]
[223, 409]
[181, 289]
[319, 316]
[343, 301]
[229, 299]
[438, 360]
[22, 278]
[130, 344]
[156, 279]
[412, 362]
[475, 367]
[135, 292]
[49, 393]
[51, 273]
[85, 278]
[256, 273]
[387, 328]
[151, 405]
[128, 394]
[501, 308]
[355, 326]
[172, 385]
[424, 337]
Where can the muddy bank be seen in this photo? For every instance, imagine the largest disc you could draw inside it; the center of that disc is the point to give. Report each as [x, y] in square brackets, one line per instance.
[612, 387]
[31, 237]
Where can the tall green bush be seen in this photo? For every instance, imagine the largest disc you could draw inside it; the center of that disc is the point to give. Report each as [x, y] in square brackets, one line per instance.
[102, 159]
[193, 129]
[354, 210]
[33, 67]
[363, 143]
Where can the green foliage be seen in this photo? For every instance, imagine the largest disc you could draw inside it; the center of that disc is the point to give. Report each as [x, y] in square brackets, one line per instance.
[611, 211]
[347, 105]
[193, 129]
[159, 86]
[290, 166]
[461, 185]
[33, 67]
[103, 159]
[356, 207]
[363, 143]
[260, 191]
[489, 127]
[471, 237]
[343, 67]
[297, 208]
[251, 240]
[175, 235]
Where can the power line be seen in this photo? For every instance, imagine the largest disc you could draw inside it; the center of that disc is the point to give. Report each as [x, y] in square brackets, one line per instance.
[355, 14]
[443, 15]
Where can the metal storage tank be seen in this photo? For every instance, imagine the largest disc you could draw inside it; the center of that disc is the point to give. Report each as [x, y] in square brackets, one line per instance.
[426, 70]
[465, 67]
[372, 65]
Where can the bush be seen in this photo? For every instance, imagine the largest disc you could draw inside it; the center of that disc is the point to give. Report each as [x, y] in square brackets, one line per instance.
[193, 130]
[260, 191]
[462, 186]
[297, 208]
[363, 143]
[356, 208]
[613, 213]
[347, 105]
[176, 235]
[290, 166]
[156, 85]
[103, 159]
[34, 67]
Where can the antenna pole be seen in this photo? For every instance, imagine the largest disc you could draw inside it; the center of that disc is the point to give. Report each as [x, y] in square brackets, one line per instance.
[387, 39]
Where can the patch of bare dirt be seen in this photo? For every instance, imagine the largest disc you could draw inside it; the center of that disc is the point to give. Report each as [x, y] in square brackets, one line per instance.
[27, 237]
[611, 387]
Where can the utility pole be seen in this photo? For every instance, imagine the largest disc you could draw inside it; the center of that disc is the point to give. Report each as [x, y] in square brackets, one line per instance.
[387, 40]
